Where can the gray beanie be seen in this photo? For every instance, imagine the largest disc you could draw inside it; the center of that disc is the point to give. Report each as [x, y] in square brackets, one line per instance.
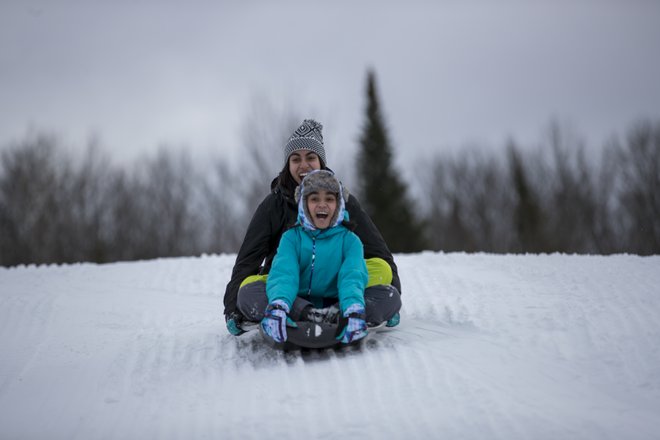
[306, 137]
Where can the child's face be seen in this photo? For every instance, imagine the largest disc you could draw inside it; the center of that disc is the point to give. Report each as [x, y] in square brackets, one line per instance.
[321, 206]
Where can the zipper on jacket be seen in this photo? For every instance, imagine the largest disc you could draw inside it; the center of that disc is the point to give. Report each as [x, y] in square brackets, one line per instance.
[311, 270]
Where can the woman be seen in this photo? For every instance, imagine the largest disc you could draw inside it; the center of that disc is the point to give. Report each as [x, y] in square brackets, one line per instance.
[303, 153]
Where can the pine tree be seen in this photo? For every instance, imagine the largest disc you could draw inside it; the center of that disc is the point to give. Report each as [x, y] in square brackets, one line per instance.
[528, 217]
[382, 191]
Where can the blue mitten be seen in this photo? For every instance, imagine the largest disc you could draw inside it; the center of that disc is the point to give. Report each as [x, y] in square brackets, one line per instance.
[354, 324]
[275, 320]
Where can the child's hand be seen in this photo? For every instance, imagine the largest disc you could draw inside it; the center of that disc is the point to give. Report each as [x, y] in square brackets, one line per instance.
[354, 324]
[275, 319]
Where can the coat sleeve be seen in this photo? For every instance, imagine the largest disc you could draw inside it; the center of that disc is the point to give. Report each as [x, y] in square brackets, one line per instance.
[284, 277]
[353, 275]
[371, 238]
[252, 252]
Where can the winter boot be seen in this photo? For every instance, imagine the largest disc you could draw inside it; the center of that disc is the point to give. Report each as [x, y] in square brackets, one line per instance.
[394, 320]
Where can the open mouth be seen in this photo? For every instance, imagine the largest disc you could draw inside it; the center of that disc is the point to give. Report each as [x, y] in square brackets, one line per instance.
[302, 175]
[321, 215]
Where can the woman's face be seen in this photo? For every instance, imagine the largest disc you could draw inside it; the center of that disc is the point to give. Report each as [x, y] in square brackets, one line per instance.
[302, 162]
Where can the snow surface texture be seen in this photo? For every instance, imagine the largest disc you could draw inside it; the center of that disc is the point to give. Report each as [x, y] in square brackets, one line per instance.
[489, 347]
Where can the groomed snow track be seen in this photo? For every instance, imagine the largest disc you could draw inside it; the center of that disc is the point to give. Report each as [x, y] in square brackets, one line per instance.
[497, 347]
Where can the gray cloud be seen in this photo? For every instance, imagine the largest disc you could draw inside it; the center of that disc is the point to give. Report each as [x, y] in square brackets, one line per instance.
[143, 73]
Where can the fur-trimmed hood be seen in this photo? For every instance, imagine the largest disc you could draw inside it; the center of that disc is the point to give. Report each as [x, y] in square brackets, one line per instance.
[314, 182]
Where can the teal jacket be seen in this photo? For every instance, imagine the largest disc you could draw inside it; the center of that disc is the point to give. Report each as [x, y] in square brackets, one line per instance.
[317, 264]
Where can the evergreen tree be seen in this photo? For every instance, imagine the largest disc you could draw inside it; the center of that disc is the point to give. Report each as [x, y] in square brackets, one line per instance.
[382, 191]
[528, 217]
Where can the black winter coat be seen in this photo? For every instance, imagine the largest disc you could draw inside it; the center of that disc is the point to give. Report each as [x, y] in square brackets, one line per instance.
[277, 213]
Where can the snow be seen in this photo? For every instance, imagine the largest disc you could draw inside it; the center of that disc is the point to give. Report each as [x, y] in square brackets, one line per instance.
[509, 347]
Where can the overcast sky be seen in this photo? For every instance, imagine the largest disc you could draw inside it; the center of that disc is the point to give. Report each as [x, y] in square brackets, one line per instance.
[141, 73]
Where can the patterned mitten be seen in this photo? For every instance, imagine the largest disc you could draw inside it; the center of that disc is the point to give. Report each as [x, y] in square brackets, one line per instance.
[352, 325]
[275, 320]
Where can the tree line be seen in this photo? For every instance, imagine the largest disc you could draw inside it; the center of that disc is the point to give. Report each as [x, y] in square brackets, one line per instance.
[529, 200]
[56, 207]
[551, 199]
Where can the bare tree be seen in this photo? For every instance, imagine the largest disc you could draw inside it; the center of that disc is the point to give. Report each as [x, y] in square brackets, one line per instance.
[468, 199]
[30, 208]
[569, 199]
[165, 188]
[265, 132]
[639, 197]
[608, 226]
[224, 221]
[86, 194]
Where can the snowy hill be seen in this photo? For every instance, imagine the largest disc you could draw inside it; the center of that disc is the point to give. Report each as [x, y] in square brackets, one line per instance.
[508, 347]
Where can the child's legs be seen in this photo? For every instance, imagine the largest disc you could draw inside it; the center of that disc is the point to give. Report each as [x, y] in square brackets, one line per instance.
[252, 300]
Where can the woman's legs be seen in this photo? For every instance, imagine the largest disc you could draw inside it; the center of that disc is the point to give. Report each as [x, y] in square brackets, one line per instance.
[382, 303]
[382, 300]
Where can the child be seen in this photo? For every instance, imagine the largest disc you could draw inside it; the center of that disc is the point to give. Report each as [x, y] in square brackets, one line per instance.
[317, 261]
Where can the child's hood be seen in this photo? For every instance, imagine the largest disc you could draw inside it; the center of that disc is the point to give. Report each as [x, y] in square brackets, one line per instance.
[315, 181]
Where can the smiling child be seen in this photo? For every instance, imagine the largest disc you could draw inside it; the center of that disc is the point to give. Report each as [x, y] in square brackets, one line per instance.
[318, 262]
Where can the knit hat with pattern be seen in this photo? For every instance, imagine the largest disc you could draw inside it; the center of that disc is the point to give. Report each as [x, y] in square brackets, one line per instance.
[306, 137]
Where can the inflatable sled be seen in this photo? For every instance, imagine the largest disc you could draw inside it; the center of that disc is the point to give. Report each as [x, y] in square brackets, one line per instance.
[310, 335]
